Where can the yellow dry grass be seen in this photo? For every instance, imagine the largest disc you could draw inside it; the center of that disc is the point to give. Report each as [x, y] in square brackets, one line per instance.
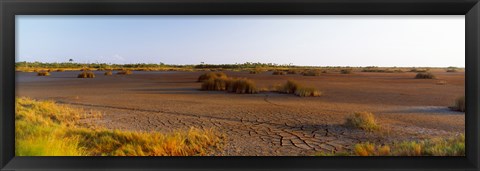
[44, 128]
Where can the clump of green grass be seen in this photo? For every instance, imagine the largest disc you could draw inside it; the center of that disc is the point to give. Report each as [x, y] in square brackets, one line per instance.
[307, 92]
[363, 120]
[311, 73]
[125, 72]
[459, 104]
[278, 72]
[43, 73]
[43, 128]
[86, 74]
[346, 71]
[425, 75]
[210, 75]
[108, 73]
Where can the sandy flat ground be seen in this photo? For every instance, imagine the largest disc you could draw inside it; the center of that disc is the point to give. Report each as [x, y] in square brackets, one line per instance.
[267, 123]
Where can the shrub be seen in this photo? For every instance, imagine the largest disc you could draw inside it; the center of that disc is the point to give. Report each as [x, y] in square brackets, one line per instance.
[311, 73]
[292, 72]
[459, 104]
[241, 86]
[307, 92]
[426, 75]
[290, 87]
[124, 72]
[278, 73]
[215, 84]
[451, 70]
[43, 73]
[362, 120]
[346, 71]
[256, 71]
[210, 75]
[108, 73]
[86, 74]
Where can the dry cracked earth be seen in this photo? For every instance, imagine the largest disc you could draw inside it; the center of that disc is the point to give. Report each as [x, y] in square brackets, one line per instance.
[264, 124]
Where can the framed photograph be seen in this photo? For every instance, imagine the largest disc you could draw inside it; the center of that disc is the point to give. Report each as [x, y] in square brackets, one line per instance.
[239, 85]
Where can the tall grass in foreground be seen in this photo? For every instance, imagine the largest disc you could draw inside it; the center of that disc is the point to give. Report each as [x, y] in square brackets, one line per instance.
[450, 146]
[44, 128]
[453, 146]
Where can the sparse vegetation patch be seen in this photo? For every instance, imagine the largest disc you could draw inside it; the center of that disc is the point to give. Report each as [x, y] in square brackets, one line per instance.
[363, 120]
[210, 75]
[43, 73]
[425, 75]
[86, 74]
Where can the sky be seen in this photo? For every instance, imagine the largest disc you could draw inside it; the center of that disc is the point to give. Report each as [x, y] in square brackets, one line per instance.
[402, 41]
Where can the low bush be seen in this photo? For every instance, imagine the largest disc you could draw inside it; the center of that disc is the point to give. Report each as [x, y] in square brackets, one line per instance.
[43, 73]
[86, 74]
[278, 73]
[241, 86]
[425, 75]
[215, 84]
[311, 73]
[346, 71]
[292, 72]
[124, 72]
[289, 87]
[210, 75]
[307, 92]
[108, 73]
[362, 120]
[459, 104]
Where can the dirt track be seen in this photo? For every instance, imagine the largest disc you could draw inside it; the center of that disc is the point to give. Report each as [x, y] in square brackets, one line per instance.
[264, 123]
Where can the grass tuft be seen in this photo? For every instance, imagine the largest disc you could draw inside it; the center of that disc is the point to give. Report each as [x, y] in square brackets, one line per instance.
[108, 73]
[86, 74]
[346, 71]
[241, 86]
[125, 72]
[307, 92]
[210, 75]
[363, 120]
[278, 73]
[311, 73]
[43, 73]
[424, 75]
[459, 104]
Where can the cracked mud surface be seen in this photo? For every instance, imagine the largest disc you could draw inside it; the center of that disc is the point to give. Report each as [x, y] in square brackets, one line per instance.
[264, 123]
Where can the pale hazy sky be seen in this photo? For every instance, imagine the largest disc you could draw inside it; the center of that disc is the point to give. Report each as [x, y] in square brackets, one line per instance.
[435, 41]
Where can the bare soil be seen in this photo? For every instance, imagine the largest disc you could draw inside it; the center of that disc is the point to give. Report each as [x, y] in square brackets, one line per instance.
[268, 123]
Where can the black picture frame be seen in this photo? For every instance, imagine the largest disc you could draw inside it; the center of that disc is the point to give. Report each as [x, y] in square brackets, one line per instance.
[10, 8]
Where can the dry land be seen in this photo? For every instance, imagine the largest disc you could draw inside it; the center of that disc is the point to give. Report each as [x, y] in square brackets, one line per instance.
[266, 123]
